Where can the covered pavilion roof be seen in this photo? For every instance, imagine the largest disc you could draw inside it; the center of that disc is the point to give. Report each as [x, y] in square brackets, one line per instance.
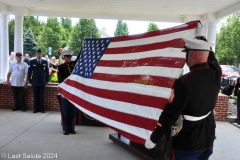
[177, 11]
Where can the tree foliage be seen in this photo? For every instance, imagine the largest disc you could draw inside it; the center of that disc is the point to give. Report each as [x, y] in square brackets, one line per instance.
[228, 41]
[55, 33]
[28, 22]
[29, 43]
[33, 23]
[121, 29]
[80, 31]
[66, 23]
[152, 27]
[51, 36]
[11, 34]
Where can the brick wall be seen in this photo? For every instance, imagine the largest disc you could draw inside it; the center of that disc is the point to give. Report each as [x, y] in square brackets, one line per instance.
[51, 102]
[50, 99]
[221, 107]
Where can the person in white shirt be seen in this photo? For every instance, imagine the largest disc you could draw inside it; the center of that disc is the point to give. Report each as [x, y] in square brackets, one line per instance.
[18, 72]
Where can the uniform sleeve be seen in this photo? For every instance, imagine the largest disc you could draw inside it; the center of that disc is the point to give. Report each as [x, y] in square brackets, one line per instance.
[172, 111]
[211, 57]
[30, 69]
[47, 72]
[213, 63]
[60, 77]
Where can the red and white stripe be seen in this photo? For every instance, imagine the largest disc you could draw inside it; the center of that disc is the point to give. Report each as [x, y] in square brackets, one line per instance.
[132, 82]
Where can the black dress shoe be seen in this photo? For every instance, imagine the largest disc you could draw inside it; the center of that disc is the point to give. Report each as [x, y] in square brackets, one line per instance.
[238, 123]
[15, 109]
[65, 132]
[72, 132]
[35, 111]
[23, 110]
[42, 111]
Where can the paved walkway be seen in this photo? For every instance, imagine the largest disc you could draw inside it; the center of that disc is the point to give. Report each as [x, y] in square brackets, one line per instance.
[27, 135]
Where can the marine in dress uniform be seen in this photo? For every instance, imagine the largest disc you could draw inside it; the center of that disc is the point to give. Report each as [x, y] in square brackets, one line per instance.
[38, 76]
[193, 98]
[68, 110]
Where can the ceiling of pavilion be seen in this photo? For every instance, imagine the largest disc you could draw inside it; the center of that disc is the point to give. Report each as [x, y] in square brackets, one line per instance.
[149, 10]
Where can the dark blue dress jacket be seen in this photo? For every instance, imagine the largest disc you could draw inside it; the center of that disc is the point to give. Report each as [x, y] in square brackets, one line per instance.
[38, 74]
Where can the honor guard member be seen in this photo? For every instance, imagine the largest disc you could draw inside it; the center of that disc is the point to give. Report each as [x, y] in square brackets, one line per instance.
[68, 110]
[38, 76]
[193, 98]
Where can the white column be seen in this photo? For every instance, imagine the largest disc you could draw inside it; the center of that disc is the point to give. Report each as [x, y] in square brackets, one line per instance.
[212, 30]
[18, 33]
[205, 26]
[4, 50]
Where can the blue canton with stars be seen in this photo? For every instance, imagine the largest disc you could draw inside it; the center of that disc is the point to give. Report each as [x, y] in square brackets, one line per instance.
[92, 52]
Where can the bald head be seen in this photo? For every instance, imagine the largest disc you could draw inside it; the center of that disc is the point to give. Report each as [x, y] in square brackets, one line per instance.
[196, 57]
[27, 56]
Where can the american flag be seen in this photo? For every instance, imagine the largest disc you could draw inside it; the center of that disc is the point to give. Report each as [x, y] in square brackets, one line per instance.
[125, 82]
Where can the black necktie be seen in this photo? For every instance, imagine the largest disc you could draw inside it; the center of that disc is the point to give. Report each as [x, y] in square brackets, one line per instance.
[39, 62]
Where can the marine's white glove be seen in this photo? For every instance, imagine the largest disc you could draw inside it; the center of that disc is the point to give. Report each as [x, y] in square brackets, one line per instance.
[149, 144]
